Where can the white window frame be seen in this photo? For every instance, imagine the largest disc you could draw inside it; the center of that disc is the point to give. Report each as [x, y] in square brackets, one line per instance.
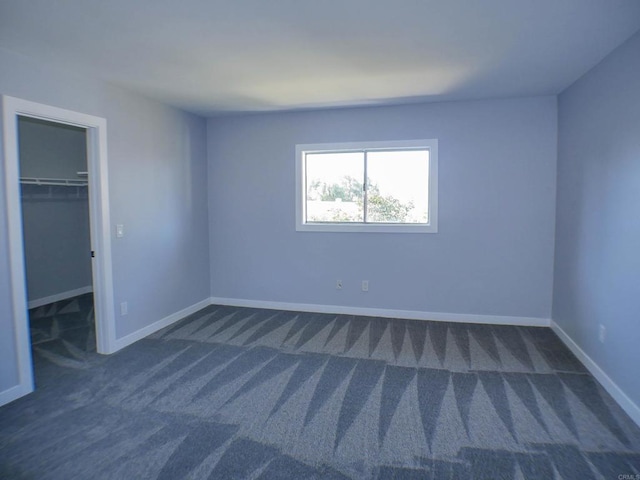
[431, 227]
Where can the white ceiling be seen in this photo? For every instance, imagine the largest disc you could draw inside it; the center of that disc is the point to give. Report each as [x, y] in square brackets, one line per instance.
[211, 56]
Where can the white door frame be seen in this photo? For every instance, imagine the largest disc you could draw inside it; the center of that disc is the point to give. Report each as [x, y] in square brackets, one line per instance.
[99, 224]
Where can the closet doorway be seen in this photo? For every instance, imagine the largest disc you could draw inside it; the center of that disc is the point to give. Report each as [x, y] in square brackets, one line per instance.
[63, 253]
[57, 242]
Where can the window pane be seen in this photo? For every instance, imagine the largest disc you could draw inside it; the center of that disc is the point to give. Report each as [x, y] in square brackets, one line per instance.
[398, 186]
[334, 190]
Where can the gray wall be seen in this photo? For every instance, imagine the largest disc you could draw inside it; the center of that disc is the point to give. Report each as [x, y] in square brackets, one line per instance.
[493, 254]
[56, 245]
[8, 371]
[56, 230]
[51, 150]
[597, 260]
[157, 174]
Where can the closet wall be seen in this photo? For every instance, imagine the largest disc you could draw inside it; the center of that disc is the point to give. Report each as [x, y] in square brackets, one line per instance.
[55, 218]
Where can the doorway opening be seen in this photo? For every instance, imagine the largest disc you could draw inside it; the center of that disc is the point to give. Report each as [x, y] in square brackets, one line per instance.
[57, 243]
[17, 117]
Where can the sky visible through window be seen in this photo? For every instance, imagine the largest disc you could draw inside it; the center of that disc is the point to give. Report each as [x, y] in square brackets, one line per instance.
[398, 190]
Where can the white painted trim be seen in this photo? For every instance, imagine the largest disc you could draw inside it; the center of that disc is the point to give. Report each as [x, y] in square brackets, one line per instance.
[39, 302]
[127, 340]
[13, 393]
[99, 224]
[384, 312]
[16, 247]
[627, 404]
[431, 227]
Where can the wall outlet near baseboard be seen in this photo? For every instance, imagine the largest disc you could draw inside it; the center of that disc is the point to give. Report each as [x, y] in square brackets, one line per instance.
[602, 333]
[338, 284]
[124, 308]
[365, 285]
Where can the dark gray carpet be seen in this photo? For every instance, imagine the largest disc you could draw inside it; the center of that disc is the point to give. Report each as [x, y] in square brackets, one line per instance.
[65, 329]
[260, 394]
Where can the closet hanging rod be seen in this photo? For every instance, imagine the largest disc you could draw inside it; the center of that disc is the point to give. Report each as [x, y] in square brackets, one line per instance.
[68, 182]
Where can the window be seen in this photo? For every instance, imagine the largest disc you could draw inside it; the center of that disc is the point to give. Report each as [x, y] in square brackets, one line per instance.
[368, 187]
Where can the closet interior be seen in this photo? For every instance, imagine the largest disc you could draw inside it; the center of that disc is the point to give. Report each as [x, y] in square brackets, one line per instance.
[57, 243]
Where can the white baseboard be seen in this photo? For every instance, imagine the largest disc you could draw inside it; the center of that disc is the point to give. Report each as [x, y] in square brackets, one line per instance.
[629, 406]
[383, 312]
[127, 340]
[14, 393]
[59, 296]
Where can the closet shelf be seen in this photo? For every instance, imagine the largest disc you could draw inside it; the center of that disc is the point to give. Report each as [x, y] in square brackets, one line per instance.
[68, 182]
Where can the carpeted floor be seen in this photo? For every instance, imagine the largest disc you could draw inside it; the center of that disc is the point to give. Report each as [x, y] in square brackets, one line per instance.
[64, 329]
[261, 394]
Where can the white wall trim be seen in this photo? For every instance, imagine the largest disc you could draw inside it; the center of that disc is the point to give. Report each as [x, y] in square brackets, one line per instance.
[629, 406]
[13, 393]
[39, 302]
[384, 312]
[127, 340]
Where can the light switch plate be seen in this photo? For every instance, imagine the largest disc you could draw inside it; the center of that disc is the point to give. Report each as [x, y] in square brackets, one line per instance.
[119, 231]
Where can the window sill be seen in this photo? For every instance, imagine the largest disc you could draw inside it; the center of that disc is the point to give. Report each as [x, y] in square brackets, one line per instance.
[366, 228]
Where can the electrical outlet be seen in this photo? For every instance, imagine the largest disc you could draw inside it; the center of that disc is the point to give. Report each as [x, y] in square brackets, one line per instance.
[124, 308]
[365, 285]
[602, 333]
[338, 284]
